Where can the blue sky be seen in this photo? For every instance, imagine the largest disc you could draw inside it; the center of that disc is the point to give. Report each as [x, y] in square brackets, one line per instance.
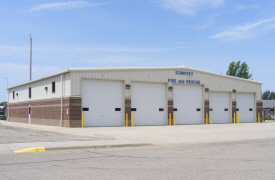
[200, 34]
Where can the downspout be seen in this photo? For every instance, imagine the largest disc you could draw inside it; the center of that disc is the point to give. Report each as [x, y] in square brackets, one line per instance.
[8, 118]
[61, 120]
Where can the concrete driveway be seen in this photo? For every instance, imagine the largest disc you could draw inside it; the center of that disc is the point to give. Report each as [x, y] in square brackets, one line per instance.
[132, 136]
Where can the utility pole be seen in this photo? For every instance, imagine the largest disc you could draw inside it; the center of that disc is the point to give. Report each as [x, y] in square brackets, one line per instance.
[30, 57]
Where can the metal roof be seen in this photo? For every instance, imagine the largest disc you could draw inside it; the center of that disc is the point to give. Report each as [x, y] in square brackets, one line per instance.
[132, 69]
[268, 104]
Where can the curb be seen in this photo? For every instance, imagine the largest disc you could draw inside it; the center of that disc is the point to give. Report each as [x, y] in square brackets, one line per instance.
[33, 149]
[36, 149]
[96, 147]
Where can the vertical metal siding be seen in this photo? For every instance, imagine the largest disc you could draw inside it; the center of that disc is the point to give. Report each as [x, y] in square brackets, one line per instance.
[211, 81]
[38, 91]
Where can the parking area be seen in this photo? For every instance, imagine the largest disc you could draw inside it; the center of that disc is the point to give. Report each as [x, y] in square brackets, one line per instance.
[21, 133]
[12, 134]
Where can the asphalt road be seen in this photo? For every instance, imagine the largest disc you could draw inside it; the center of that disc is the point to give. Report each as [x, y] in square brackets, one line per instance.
[228, 160]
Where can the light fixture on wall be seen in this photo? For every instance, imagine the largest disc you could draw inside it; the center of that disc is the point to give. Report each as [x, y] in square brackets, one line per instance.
[127, 86]
[46, 88]
[206, 89]
[170, 88]
[234, 91]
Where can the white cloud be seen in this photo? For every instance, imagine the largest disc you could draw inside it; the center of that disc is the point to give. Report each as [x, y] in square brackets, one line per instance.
[15, 68]
[18, 73]
[6, 47]
[62, 5]
[7, 52]
[107, 59]
[209, 22]
[245, 7]
[190, 7]
[131, 49]
[246, 31]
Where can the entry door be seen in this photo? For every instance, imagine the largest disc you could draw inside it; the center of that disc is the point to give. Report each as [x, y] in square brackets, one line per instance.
[148, 102]
[219, 106]
[29, 114]
[245, 107]
[188, 104]
[102, 103]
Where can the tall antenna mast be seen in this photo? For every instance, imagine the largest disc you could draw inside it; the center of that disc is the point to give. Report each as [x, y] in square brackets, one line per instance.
[30, 57]
[30, 51]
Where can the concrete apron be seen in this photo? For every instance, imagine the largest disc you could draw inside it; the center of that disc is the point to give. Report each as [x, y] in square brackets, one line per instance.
[145, 135]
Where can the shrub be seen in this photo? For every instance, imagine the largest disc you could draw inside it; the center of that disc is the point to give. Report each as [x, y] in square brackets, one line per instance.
[268, 118]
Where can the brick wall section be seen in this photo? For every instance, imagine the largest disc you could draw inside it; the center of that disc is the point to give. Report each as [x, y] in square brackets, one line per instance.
[234, 111]
[170, 110]
[206, 110]
[74, 105]
[7, 110]
[259, 106]
[48, 112]
[128, 110]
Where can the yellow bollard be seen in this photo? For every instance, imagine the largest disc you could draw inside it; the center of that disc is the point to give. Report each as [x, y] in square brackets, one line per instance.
[132, 120]
[258, 117]
[238, 118]
[169, 119]
[211, 118]
[82, 120]
[206, 118]
[175, 119]
[234, 118]
[126, 119]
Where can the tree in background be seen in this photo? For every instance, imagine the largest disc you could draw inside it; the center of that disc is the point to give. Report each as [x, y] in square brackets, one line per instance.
[239, 70]
[3, 103]
[268, 95]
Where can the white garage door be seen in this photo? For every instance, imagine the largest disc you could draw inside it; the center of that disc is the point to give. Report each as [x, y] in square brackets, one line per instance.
[245, 105]
[148, 102]
[219, 106]
[102, 103]
[188, 104]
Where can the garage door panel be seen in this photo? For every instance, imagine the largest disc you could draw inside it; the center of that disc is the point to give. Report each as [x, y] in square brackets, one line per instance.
[187, 99]
[147, 98]
[218, 102]
[245, 101]
[102, 97]
[190, 99]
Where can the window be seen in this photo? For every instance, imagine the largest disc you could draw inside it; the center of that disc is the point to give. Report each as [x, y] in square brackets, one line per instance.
[53, 86]
[117, 109]
[13, 94]
[250, 109]
[225, 109]
[30, 92]
[198, 109]
[133, 109]
[84, 109]
[161, 109]
[175, 109]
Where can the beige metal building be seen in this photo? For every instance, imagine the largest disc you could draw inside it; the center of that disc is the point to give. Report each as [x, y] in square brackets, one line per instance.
[152, 96]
